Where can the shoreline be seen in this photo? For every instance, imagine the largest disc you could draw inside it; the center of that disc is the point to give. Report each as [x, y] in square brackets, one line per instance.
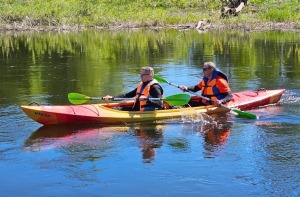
[204, 26]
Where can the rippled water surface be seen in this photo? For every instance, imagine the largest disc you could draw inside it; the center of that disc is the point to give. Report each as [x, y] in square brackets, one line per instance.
[215, 156]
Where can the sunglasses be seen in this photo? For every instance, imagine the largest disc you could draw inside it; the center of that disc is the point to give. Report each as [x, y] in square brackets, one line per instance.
[205, 69]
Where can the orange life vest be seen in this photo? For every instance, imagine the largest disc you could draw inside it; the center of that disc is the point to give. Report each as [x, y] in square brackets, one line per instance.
[144, 92]
[210, 90]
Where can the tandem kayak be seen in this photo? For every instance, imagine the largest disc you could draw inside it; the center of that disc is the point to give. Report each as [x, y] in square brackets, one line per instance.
[107, 113]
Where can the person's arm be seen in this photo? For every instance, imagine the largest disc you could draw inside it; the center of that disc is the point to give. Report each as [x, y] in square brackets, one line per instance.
[227, 98]
[190, 88]
[156, 92]
[128, 94]
[193, 88]
[224, 88]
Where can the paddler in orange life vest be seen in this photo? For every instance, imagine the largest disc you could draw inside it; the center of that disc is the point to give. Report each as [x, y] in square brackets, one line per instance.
[147, 88]
[214, 86]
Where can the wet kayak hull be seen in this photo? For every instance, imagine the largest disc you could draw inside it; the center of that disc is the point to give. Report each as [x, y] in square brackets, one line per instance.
[107, 114]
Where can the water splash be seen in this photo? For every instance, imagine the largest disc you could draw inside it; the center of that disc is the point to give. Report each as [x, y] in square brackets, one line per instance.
[190, 115]
[290, 97]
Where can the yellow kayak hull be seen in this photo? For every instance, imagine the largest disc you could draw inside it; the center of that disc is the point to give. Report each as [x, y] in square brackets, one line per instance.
[100, 114]
[106, 114]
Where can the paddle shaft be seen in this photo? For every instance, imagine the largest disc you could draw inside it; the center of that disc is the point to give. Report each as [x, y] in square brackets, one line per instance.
[112, 99]
[176, 99]
[122, 99]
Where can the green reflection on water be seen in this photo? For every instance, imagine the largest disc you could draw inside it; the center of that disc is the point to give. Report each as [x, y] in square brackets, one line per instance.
[49, 65]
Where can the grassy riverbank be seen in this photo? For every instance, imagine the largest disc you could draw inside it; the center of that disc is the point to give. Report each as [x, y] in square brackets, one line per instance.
[74, 14]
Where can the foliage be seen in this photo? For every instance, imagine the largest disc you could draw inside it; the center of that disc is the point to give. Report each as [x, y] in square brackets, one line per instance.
[132, 13]
[281, 13]
[278, 15]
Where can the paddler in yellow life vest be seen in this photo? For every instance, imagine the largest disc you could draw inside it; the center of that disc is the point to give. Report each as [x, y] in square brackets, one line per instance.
[147, 88]
[214, 86]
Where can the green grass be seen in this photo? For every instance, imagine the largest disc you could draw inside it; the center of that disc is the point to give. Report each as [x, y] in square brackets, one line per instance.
[139, 13]
[281, 13]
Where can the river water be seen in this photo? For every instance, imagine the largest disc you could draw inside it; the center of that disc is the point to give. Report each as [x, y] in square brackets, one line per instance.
[235, 157]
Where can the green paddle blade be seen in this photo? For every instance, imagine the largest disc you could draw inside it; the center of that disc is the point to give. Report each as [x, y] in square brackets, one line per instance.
[177, 99]
[245, 114]
[160, 79]
[76, 98]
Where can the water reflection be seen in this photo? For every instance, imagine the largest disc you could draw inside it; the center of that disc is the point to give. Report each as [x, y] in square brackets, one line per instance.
[54, 136]
[80, 137]
[214, 134]
[150, 138]
[211, 135]
[83, 62]
[215, 139]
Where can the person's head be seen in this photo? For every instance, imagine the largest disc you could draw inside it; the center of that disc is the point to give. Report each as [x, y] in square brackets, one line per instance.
[208, 69]
[147, 73]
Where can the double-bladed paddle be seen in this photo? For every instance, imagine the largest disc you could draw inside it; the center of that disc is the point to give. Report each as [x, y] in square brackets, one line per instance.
[237, 111]
[176, 99]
